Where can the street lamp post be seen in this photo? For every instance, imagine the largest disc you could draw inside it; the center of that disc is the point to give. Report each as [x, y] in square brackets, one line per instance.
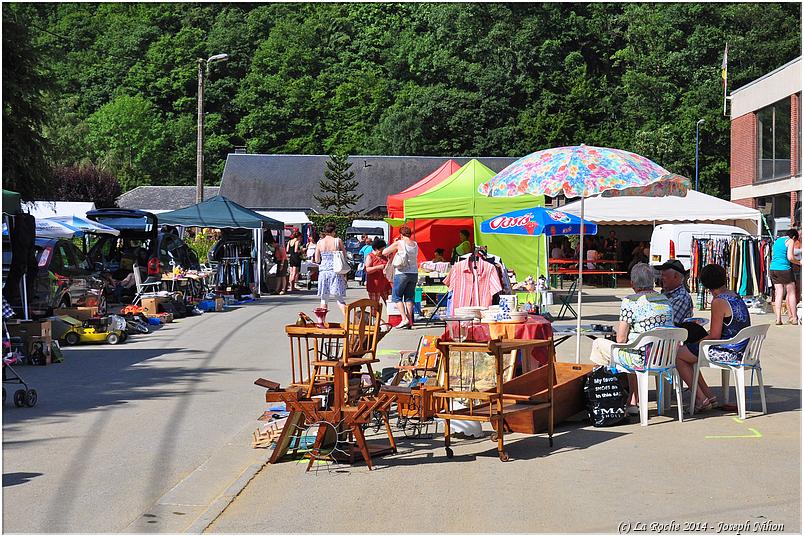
[199, 156]
[697, 129]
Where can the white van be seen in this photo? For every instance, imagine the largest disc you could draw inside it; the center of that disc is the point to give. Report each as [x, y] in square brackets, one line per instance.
[674, 241]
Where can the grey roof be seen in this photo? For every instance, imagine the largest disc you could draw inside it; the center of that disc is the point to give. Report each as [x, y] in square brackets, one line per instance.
[162, 198]
[292, 180]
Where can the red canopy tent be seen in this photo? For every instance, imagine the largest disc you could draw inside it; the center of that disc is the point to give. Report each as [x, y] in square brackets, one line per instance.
[430, 234]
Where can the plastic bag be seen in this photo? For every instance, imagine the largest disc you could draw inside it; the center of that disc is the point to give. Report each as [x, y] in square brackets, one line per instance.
[606, 396]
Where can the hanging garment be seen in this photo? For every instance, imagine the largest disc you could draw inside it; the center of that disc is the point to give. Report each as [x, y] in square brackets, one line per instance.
[473, 283]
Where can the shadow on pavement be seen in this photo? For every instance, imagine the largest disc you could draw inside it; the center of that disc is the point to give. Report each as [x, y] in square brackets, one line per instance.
[103, 378]
[18, 478]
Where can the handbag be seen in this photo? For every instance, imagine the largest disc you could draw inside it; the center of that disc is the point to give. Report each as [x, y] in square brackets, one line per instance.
[339, 262]
[401, 256]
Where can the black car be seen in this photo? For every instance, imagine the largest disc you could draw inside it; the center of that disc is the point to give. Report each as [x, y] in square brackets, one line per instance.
[138, 229]
[64, 278]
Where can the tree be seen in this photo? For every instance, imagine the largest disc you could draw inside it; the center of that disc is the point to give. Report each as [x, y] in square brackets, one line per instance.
[25, 167]
[125, 136]
[339, 186]
[86, 183]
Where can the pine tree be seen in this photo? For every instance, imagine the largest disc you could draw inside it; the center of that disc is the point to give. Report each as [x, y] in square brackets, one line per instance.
[338, 188]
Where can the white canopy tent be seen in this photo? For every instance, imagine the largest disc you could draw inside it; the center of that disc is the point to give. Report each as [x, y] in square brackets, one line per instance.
[693, 208]
[289, 218]
[48, 209]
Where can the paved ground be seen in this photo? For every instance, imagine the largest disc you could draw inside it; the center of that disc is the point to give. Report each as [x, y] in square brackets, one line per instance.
[146, 436]
[711, 470]
[142, 436]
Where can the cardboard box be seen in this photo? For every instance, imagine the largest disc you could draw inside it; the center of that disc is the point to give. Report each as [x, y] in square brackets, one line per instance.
[82, 314]
[27, 329]
[219, 304]
[150, 305]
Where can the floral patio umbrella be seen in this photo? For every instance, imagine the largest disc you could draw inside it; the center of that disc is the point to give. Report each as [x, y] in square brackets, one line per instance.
[580, 172]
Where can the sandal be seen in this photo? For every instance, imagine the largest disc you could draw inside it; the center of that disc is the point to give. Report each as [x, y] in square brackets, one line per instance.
[791, 321]
[707, 404]
[779, 323]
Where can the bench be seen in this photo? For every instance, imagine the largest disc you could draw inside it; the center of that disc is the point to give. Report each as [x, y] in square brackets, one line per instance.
[591, 272]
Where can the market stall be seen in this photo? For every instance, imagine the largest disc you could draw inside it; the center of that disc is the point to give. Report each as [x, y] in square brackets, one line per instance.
[429, 233]
[220, 212]
[457, 197]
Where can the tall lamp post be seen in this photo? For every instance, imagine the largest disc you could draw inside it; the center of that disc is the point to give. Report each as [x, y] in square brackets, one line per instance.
[203, 65]
[697, 129]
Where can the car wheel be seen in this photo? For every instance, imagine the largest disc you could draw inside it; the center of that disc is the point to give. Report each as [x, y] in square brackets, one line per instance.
[72, 338]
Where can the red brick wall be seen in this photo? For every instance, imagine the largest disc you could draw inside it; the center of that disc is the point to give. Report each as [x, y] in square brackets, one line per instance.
[747, 202]
[743, 168]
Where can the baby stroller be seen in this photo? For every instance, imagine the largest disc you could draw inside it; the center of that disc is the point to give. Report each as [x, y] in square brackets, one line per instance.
[24, 396]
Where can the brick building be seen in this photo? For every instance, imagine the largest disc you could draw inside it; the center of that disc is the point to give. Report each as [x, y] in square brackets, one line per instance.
[766, 145]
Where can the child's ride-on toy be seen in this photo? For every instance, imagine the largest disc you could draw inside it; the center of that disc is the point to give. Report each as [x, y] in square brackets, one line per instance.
[103, 330]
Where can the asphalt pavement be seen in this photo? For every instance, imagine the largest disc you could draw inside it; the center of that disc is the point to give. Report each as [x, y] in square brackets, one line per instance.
[144, 436]
[154, 436]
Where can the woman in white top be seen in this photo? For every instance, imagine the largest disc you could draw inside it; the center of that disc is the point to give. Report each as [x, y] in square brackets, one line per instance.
[330, 283]
[406, 274]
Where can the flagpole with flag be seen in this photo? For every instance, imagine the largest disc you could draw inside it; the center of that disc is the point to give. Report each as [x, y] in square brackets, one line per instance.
[724, 73]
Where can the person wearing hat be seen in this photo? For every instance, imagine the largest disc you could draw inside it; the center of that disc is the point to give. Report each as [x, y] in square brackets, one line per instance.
[673, 277]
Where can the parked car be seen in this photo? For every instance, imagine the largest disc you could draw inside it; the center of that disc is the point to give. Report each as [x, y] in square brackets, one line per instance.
[138, 229]
[64, 278]
[674, 241]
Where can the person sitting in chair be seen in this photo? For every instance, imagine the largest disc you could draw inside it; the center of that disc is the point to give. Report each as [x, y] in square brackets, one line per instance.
[729, 316]
[640, 312]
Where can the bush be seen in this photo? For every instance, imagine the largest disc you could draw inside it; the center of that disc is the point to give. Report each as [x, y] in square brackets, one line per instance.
[200, 244]
[342, 222]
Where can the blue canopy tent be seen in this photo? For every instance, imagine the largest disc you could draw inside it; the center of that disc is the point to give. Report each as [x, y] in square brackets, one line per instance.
[220, 212]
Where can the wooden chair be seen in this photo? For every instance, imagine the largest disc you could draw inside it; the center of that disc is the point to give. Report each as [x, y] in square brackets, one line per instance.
[361, 333]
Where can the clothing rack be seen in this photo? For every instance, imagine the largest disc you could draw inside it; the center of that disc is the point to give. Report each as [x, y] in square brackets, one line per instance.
[745, 258]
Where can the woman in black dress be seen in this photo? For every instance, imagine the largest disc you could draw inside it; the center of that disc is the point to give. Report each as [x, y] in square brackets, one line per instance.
[295, 256]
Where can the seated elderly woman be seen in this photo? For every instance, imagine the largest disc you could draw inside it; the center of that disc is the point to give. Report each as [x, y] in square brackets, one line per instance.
[644, 310]
[729, 316]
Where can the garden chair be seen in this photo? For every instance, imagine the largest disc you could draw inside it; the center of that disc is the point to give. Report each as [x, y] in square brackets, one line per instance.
[422, 362]
[660, 347]
[144, 289]
[755, 335]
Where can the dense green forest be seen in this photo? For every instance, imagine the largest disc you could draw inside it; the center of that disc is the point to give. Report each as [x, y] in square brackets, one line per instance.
[115, 84]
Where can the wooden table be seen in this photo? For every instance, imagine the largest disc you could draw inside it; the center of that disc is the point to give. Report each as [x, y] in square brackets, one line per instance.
[492, 406]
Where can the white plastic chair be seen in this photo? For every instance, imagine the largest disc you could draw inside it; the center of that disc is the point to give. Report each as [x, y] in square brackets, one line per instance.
[144, 290]
[755, 336]
[660, 347]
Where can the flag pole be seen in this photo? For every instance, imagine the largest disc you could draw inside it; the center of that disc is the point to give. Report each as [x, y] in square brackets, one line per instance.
[580, 288]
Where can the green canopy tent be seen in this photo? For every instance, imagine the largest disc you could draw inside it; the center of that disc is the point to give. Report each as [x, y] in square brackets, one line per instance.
[220, 212]
[458, 197]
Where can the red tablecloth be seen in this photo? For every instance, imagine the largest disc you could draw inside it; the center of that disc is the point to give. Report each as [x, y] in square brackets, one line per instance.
[536, 327]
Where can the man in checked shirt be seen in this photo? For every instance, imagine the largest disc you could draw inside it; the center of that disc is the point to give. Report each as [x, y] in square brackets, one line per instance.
[673, 276]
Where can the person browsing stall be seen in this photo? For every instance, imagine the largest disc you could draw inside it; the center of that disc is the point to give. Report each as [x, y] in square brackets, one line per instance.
[364, 253]
[406, 274]
[438, 256]
[377, 285]
[782, 278]
[330, 283]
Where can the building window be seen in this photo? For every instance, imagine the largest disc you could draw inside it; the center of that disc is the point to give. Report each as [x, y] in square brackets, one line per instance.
[773, 141]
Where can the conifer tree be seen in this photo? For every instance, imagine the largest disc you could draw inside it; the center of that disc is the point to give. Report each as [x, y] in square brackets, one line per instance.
[339, 187]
